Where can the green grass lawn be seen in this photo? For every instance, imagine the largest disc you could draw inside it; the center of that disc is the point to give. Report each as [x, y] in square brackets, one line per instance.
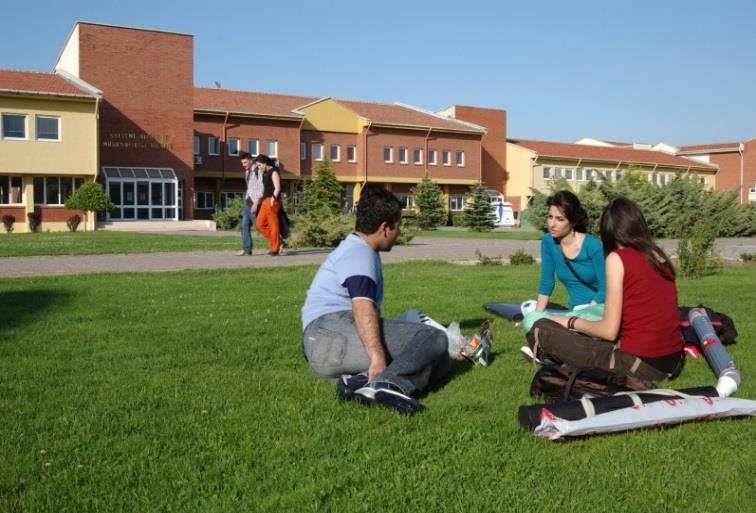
[187, 392]
[106, 242]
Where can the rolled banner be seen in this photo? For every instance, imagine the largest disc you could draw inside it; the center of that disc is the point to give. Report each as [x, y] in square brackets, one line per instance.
[530, 416]
[660, 413]
[728, 377]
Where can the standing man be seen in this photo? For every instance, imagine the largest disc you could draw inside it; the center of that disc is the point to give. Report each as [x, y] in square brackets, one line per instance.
[345, 339]
[253, 179]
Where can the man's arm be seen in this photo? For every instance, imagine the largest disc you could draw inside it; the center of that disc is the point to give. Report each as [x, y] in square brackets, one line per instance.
[368, 328]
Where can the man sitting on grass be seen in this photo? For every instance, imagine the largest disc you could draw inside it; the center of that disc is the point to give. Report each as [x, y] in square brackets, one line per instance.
[345, 339]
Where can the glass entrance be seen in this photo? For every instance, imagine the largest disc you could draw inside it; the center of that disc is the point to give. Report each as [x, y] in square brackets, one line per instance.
[143, 194]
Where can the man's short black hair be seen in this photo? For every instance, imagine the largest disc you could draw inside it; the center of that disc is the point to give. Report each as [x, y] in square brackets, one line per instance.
[245, 155]
[376, 206]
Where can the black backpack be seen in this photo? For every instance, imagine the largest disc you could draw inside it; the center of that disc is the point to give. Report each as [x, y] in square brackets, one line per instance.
[555, 383]
[723, 326]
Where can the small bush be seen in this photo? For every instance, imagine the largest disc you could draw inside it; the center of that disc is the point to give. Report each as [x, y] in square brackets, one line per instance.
[695, 251]
[73, 222]
[321, 229]
[34, 220]
[229, 218]
[8, 221]
[748, 257]
[456, 220]
[488, 260]
[520, 257]
[408, 232]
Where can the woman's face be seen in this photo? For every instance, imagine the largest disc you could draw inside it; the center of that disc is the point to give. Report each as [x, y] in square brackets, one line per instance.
[557, 223]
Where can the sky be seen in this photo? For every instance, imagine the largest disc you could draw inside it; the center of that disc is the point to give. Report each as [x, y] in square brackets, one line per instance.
[674, 71]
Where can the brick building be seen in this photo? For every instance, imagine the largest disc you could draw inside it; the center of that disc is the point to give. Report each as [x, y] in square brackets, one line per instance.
[736, 162]
[167, 150]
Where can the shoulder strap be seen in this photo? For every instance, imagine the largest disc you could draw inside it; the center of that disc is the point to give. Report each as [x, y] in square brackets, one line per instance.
[572, 270]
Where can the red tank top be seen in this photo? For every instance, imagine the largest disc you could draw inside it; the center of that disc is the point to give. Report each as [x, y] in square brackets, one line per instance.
[650, 324]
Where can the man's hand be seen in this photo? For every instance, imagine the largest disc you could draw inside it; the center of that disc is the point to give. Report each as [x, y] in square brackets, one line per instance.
[253, 208]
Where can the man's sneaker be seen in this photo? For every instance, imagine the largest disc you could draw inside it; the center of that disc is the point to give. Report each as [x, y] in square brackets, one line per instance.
[388, 395]
[348, 384]
[243, 253]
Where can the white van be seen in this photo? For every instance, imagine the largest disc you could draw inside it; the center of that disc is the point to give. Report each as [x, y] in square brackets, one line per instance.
[502, 208]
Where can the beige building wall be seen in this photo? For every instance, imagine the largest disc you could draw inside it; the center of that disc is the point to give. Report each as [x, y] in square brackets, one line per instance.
[520, 171]
[73, 155]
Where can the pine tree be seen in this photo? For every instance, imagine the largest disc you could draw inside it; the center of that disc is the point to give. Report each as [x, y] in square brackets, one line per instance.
[479, 216]
[428, 201]
[325, 190]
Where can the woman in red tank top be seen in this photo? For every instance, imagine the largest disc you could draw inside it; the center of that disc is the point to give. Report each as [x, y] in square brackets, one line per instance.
[639, 334]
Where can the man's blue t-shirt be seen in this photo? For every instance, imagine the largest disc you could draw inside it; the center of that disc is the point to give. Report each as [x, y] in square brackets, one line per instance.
[588, 264]
[353, 269]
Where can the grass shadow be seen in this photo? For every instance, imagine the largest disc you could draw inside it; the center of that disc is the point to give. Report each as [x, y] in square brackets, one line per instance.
[21, 306]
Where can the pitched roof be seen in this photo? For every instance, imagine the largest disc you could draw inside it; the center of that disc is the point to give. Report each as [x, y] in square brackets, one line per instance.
[269, 104]
[31, 82]
[248, 102]
[402, 115]
[700, 148]
[605, 153]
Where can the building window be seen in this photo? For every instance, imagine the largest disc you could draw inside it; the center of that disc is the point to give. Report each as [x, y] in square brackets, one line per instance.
[406, 200]
[352, 153]
[460, 158]
[403, 155]
[557, 173]
[226, 197]
[432, 157]
[388, 154]
[234, 145]
[417, 156]
[14, 126]
[11, 190]
[456, 203]
[335, 152]
[546, 173]
[196, 144]
[204, 200]
[54, 190]
[253, 147]
[579, 174]
[589, 174]
[213, 146]
[446, 157]
[568, 173]
[48, 128]
[272, 145]
[317, 151]
[302, 151]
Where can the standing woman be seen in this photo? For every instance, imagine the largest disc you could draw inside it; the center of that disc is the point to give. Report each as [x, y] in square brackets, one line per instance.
[574, 255]
[639, 335]
[270, 204]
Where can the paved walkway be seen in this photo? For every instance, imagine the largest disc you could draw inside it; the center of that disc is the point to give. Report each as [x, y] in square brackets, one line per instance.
[421, 248]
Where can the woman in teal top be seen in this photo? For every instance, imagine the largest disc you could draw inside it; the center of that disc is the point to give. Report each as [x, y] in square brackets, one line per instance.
[576, 257]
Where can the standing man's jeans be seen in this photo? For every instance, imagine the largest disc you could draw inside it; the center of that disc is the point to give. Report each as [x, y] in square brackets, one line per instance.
[417, 355]
[248, 221]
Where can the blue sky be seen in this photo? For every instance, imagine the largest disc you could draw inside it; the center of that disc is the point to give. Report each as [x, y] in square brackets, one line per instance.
[682, 72]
